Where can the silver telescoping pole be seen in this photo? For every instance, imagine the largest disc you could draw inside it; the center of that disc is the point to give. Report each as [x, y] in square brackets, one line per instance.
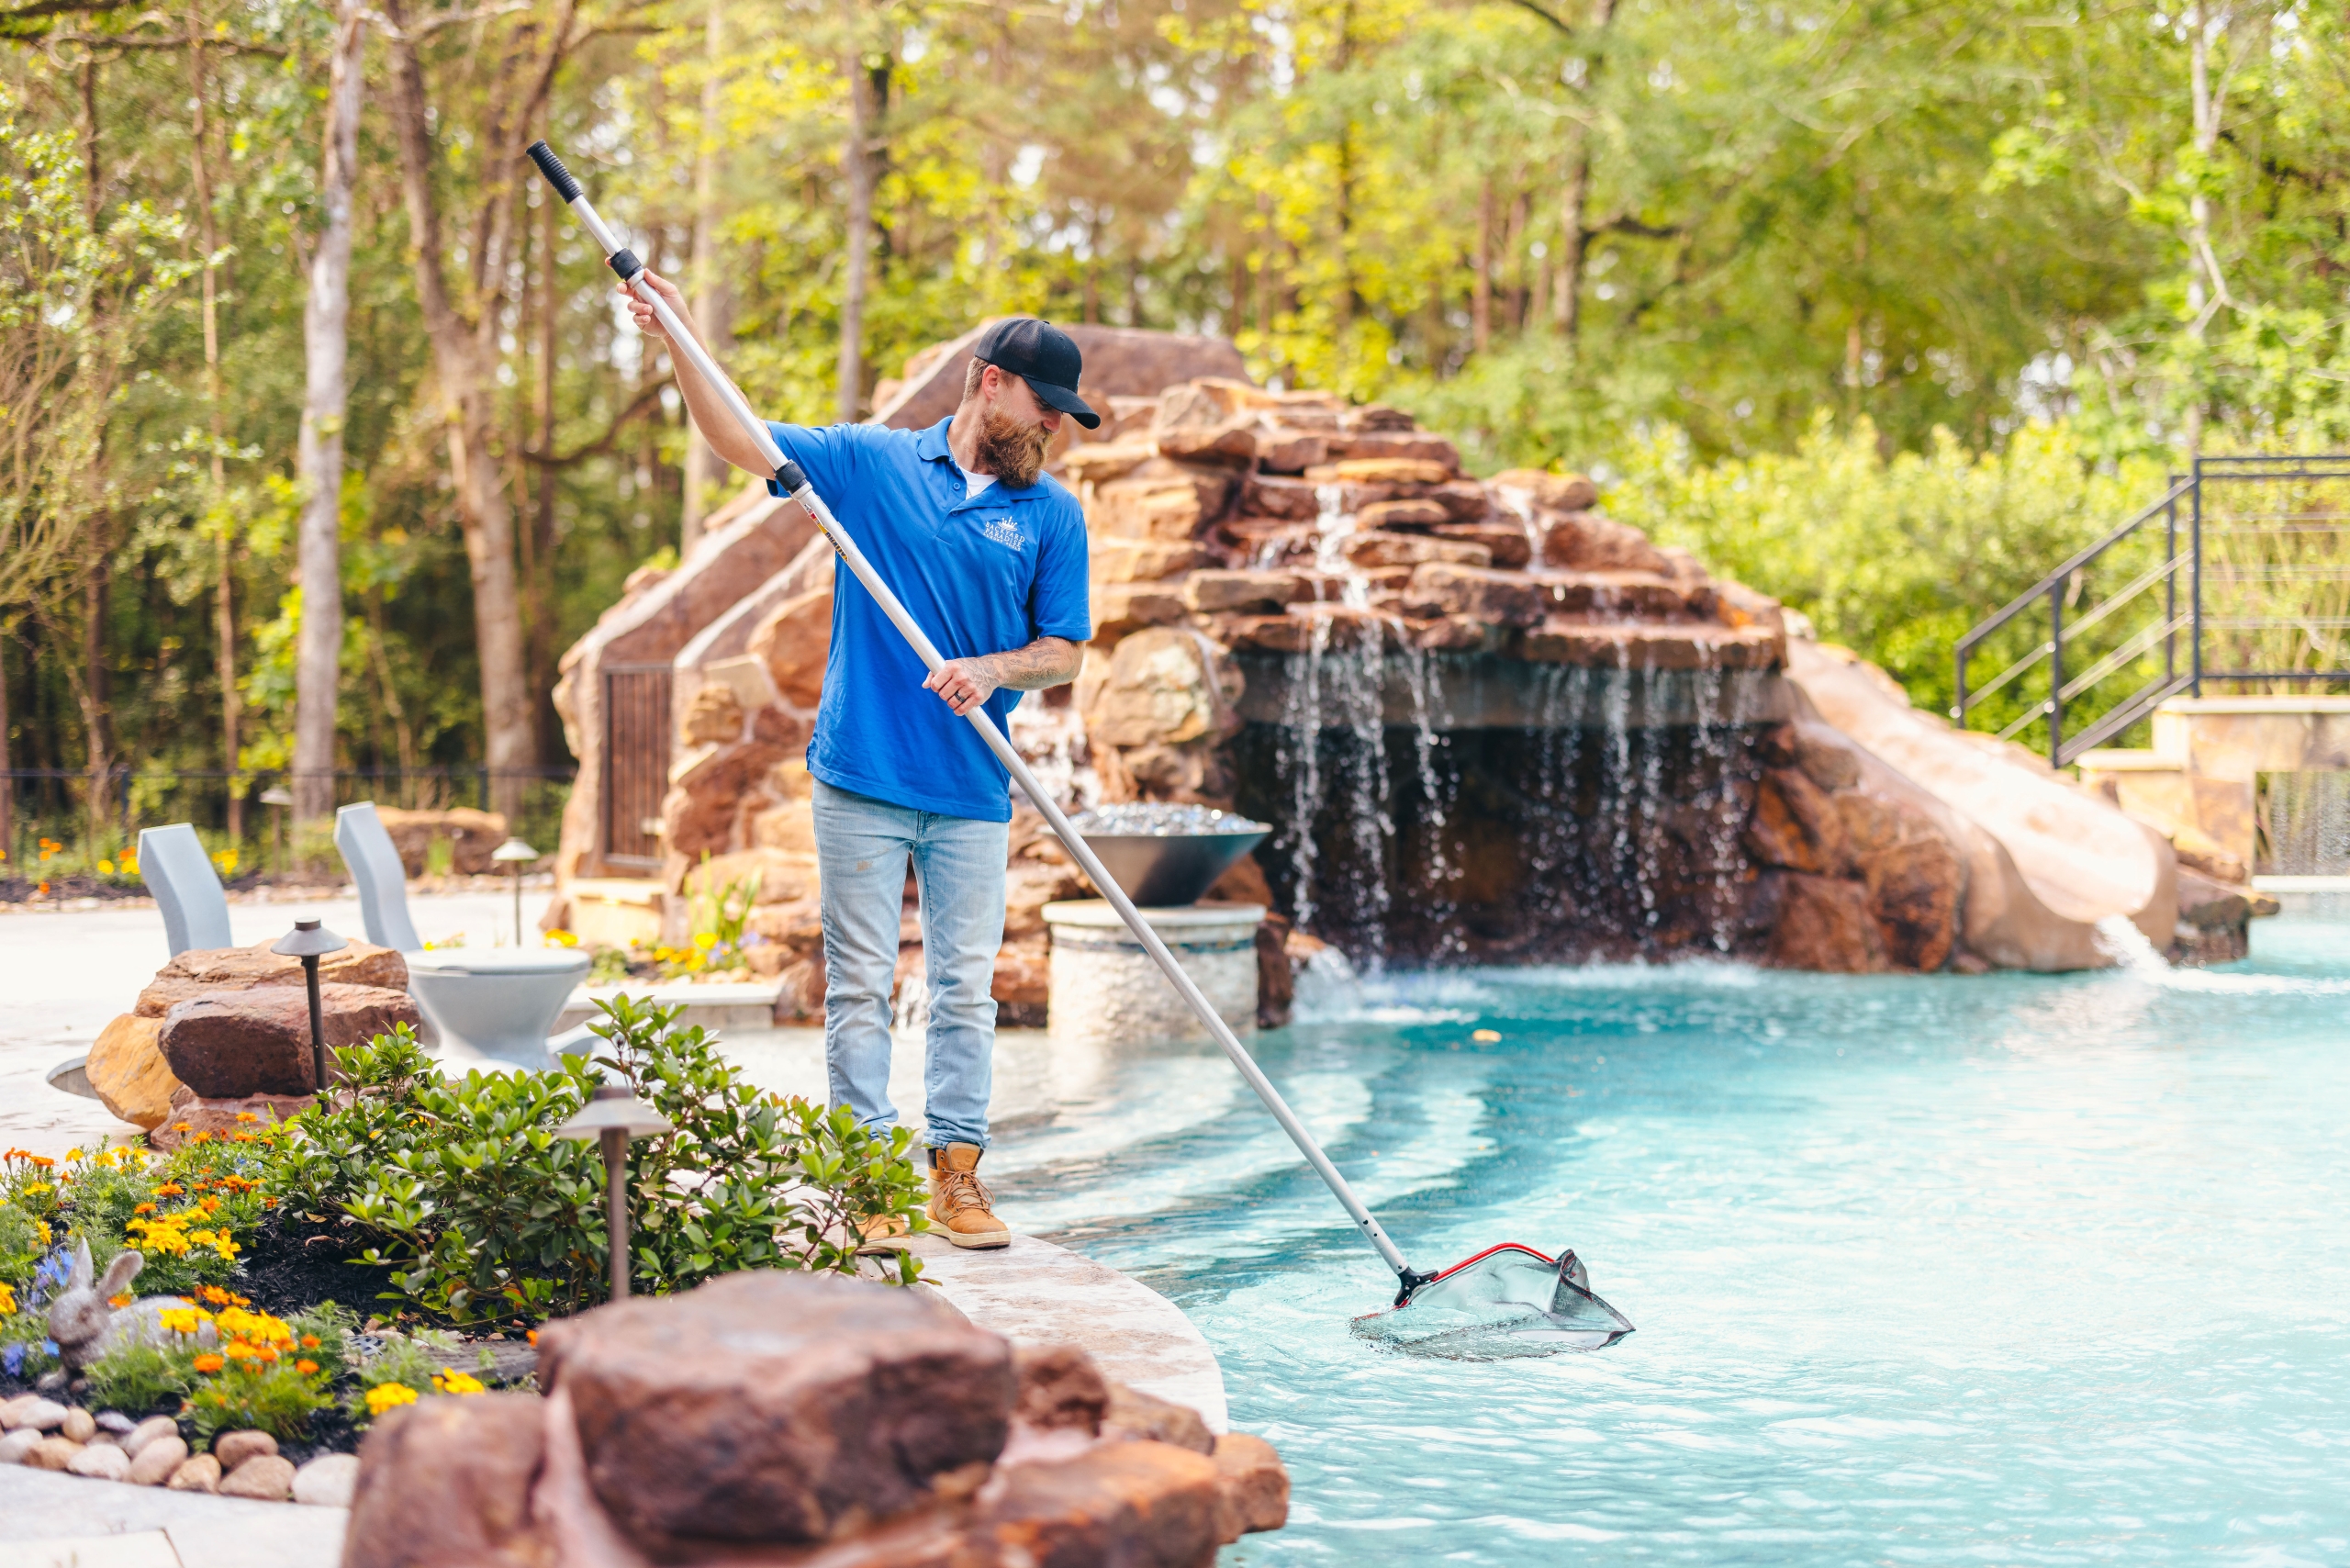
[794, 483]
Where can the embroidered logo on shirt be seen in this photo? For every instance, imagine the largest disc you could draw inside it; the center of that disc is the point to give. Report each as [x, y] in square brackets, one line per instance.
[1003, 530]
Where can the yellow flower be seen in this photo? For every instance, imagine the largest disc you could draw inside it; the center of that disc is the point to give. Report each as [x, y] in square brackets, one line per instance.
[7, 1298]
[106, 868]
[561, 938]
[384, 1396]
[182, 1319]
[247, 1116]
[457, 1382]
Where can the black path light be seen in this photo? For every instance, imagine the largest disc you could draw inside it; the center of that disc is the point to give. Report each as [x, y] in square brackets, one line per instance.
[615, 1117]
[517, 854]
[309, 941]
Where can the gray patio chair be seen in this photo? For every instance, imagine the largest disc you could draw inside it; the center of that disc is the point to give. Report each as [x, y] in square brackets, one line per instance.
[176, 870]
[492, 1007]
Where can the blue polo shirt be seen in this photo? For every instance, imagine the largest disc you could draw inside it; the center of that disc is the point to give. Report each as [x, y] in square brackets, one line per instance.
[981, 575]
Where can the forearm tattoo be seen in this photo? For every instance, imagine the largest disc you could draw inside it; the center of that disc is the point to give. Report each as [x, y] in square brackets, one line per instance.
[1047, 661]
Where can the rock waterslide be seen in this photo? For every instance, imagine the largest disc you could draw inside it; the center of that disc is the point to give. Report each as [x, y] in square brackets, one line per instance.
[1490, 723]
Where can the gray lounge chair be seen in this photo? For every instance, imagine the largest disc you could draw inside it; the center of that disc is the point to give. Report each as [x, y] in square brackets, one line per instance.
[491, 1006]
[176, 870]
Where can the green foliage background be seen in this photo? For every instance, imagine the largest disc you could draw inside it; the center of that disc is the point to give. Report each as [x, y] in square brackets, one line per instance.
[1879, 304]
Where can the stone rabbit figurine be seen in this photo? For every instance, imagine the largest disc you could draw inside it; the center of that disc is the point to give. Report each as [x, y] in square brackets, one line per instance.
[79, 1317]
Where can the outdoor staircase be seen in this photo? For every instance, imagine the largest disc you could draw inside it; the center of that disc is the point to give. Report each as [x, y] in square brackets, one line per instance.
[2238, 576]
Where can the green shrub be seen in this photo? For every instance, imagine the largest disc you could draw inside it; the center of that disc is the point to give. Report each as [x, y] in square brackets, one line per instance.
[483, 1213]
[139, 1377]
[1894, 556]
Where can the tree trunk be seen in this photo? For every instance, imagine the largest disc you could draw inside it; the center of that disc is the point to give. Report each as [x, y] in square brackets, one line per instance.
[705, 473]
[224, 619]
[1573, 228]
[1481, 287]
[461, 365]
[317, 671]
[856, 164]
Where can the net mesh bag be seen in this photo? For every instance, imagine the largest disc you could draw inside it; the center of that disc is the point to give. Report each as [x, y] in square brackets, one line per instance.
[1506, 1302]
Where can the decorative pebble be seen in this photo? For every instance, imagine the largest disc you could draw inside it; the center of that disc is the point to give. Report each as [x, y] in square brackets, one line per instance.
[135, 1443]
[201, 1473]
[8, 1408]
[52, 1453]
[17, 1445]
[50, 1382]
[233, 1449]
[78, 1424]
[115, 1421]
[327, 1481]
[264, 1475]
[159, 1460]
[40, 1414]
[102, 1460]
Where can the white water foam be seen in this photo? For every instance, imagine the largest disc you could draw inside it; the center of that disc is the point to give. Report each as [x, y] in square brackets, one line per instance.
[2135, 956]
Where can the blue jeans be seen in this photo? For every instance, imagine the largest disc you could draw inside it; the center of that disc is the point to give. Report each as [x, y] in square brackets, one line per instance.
[862, 846]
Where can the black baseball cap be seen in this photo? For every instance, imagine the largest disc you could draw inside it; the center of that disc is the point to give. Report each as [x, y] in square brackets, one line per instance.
[1044, 357]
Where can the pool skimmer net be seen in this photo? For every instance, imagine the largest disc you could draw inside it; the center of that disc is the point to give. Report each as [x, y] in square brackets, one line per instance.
[1508, 1302]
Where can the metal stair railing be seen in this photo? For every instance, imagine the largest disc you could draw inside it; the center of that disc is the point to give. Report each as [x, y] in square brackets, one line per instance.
[2053, 588]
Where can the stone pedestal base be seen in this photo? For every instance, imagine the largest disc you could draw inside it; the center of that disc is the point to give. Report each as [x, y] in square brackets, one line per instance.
[1106, 988]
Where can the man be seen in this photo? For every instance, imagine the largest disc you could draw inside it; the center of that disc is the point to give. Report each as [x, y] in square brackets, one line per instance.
[989, 556]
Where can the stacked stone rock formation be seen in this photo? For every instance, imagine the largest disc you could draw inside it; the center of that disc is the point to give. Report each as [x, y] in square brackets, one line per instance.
[1637, 772]
[765, 1416]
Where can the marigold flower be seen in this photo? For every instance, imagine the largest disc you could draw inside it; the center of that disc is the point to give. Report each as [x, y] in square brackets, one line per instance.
[182, 1127]
[384, 1396]
[306, 1367]
[144, 1209]
[171, 1188]
[247, 1116]
[181, 1319]
[120, 1300]
[309, 1341]
[7, 1298]
[237, 1350]
[458, 1383]
[266, 1353]
[208, 1362]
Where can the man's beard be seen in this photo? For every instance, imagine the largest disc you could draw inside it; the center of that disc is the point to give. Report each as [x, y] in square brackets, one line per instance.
[1012, 450]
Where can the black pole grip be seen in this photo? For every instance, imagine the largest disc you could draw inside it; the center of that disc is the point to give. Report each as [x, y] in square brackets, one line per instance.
[551, 167]
[791, 478]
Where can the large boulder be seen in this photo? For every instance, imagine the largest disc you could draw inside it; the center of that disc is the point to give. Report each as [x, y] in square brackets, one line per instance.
[127, 1070]
[445, 1482]
[205, 971]
[776, 1408]
[258, 1041]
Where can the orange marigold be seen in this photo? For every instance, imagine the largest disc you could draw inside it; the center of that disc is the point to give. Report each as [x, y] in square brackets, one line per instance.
[306, 1367]
[208, 1362]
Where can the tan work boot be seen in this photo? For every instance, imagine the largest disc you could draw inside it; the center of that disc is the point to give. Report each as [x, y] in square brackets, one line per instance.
[959, 1201]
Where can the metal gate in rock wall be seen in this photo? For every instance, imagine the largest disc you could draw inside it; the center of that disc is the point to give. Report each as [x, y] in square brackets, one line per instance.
[636, 762]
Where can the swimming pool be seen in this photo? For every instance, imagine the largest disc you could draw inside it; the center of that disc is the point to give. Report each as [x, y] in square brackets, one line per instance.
[2004, 1270]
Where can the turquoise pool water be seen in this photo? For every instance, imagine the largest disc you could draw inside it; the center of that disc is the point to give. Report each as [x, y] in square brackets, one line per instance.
[2007, 1269]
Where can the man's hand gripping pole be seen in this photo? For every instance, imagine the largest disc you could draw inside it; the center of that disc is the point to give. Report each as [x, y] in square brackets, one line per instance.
[795, 484]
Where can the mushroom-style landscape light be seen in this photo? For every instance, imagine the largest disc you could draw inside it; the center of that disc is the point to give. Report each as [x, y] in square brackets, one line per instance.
[277, 797]
[309, 941]
[613, 1117]
[517, 854]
